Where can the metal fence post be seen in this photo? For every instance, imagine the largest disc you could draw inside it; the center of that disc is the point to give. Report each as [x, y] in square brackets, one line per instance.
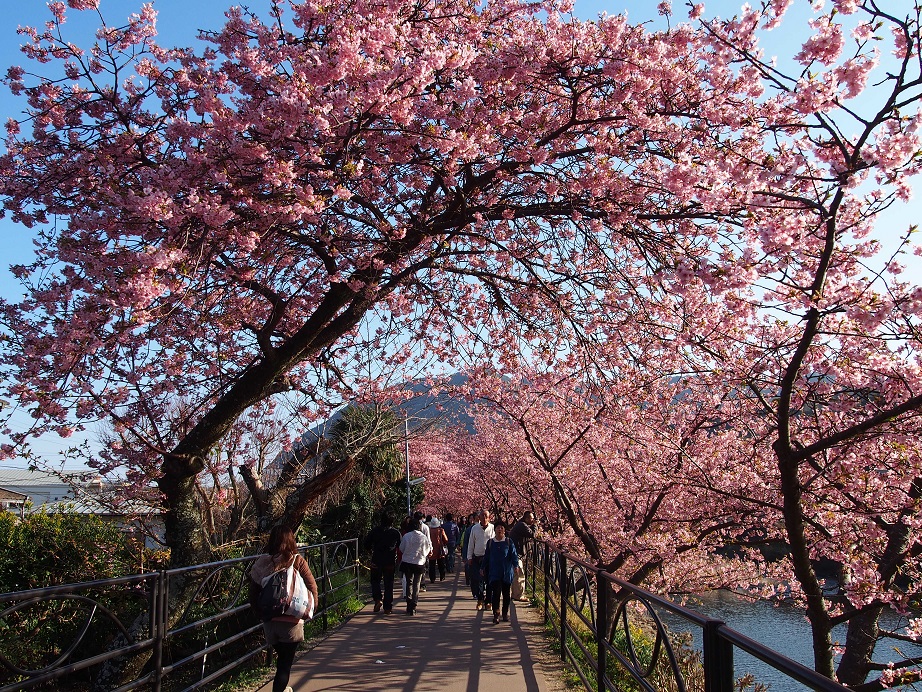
[601, 619]
[562, 583]
[323, 575]
[718, 659]
[158, 625]
[547, 579]
[358, 568]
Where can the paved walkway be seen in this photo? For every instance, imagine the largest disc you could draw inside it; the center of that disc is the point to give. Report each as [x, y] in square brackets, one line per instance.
[448, 646]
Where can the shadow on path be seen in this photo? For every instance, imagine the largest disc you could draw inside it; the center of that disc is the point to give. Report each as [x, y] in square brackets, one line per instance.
[448, 646]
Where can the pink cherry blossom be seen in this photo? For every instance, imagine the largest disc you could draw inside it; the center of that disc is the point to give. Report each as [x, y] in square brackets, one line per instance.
[825, 45]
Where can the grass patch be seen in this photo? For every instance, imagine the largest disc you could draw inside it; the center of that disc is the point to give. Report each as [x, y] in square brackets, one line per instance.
[248, 678]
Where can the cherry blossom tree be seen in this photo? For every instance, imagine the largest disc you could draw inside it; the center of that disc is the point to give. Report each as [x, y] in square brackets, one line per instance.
[826, 337]
[794, 333]
[216, 224]
[487, 470]
[637, 479]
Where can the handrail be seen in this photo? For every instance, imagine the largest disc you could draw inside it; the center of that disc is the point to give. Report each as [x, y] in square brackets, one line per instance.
[175, 618]
[577, 593]
[793, 669]
[69, 588]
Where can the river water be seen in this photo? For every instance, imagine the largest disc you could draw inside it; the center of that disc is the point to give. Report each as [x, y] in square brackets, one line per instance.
[782, 628]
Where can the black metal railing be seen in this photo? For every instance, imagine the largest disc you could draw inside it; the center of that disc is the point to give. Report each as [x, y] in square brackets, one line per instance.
[608, 628]
[177, 629]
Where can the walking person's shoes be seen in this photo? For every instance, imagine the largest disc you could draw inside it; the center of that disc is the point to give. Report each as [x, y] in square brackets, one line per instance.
[505, 618]
[377, 606]
[495, 618]
[388, 611]
[479, 605]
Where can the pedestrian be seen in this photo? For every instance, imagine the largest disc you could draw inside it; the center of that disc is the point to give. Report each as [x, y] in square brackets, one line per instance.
[424, 527]
[454, 537]
[498, 568]
[405, 525]
[523, 531]
[465, 541]
[283, 633]
[382, 541]
[481, 532]
[415, 549]
[439, 549]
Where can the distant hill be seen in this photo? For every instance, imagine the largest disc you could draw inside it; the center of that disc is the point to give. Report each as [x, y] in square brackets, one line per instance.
[423, 408]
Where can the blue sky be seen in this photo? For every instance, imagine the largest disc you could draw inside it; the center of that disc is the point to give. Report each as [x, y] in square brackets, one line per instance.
[179, 21]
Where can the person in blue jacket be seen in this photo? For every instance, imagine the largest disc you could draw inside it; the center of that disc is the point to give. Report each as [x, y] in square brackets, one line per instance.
[498, 568]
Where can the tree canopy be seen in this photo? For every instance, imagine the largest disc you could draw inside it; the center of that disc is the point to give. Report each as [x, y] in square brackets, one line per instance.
[228, 217]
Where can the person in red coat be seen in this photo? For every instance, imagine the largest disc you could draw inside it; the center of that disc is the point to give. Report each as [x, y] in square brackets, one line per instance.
[439, 549]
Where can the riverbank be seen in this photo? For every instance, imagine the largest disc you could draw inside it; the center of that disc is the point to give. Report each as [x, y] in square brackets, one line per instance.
[781, 627]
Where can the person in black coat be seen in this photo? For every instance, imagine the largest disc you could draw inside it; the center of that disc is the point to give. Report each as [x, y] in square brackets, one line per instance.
[382, 541]
[524, 529]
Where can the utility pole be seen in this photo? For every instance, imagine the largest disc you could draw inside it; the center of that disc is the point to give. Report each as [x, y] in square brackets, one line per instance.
[406, 453]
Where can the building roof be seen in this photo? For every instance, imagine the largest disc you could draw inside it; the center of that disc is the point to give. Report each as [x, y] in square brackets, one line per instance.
[9, 495]
[88, 504]
[11, 478]
[87, 493]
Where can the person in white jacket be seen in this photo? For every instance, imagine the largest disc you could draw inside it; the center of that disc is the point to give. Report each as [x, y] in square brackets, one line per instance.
[415, 549]
[476, 546]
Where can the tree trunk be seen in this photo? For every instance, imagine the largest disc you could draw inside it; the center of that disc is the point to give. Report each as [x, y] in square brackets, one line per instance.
[123, 669]
[863, 628]
[289, 506]
[184, 528]
[118, 671]
[820, 624]
[860, 640]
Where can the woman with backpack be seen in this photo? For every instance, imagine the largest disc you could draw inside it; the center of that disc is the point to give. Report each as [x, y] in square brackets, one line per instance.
[283, 632]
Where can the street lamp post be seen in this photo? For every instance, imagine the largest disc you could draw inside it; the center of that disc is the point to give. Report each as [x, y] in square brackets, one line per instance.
[406, 440]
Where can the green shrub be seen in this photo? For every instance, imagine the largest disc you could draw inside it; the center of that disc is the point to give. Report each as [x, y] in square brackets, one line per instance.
[64, 547]
[45, 549]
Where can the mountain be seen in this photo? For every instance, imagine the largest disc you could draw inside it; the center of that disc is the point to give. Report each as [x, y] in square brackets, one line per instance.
[423, 408]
